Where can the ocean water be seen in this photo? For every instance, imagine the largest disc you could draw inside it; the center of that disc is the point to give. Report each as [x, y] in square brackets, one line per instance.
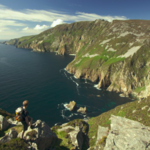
[41, 79]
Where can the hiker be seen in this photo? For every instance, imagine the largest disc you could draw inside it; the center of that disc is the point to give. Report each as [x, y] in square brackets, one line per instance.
[27, 121]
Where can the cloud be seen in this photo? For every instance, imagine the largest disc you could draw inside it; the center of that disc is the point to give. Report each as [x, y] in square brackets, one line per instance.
[50, 16]
[57, 22]
[10, 23]
[88, 16]
[26, 28]
[9, 19]
[38, 27]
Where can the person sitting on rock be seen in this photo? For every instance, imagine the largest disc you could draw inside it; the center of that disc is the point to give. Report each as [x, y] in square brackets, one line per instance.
[27, 121]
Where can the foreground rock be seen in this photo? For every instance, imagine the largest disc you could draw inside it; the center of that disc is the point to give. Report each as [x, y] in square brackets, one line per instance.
[126, 134]
[72, 105]
[11, 135]
[82, 110]
[13, 122]
[75, 134]
[76, 138]
[4, 124]
[41, 135]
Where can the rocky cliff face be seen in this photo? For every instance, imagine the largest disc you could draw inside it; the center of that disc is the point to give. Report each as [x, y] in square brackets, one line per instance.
[115, 54]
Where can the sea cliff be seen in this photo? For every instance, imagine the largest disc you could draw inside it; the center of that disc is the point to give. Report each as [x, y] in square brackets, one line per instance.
[114, 54]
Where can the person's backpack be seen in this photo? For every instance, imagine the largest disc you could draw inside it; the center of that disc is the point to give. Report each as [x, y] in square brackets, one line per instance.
[19, 114]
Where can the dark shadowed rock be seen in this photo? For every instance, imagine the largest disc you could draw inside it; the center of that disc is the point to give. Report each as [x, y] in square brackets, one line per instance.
[76, 138]
[3, 123]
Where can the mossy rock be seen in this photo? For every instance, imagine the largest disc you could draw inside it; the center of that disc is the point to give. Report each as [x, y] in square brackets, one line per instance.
[17, 128]
[102, 141]
[32, 134]
[79, 122]
[54, 128]
[14, 144]
[63, 142]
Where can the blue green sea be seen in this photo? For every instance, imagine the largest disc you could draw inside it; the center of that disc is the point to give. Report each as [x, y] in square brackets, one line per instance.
[41, 79]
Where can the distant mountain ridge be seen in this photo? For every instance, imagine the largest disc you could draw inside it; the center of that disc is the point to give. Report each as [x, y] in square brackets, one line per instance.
[115, 54]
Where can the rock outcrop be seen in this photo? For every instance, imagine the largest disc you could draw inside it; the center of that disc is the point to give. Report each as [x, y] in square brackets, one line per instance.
[75, 134]
[13, 122]
[4, 124]
[76, 138]
[11, 135]
[126, 134]
[82, 110]
[41, 135]
[72, 105]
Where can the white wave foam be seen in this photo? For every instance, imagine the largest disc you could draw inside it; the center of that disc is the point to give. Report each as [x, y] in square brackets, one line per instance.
[67, 71]
[76, 84]
[70, 115]
[72, 54]
[62, 114]
[74, 81]
[66, 75]
[121, 95]
[75, 77]
[65, 105]
[96, 86]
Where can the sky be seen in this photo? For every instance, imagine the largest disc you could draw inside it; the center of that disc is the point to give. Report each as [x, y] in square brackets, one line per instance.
[29, 17]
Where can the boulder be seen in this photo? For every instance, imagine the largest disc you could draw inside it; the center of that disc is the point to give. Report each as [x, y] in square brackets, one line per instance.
[98, 96]
[13, 122]
[72, 105]
[42, 135]
[4, 124]
[82, 110]
[126, 134]
[11, 135]
[76, 138]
